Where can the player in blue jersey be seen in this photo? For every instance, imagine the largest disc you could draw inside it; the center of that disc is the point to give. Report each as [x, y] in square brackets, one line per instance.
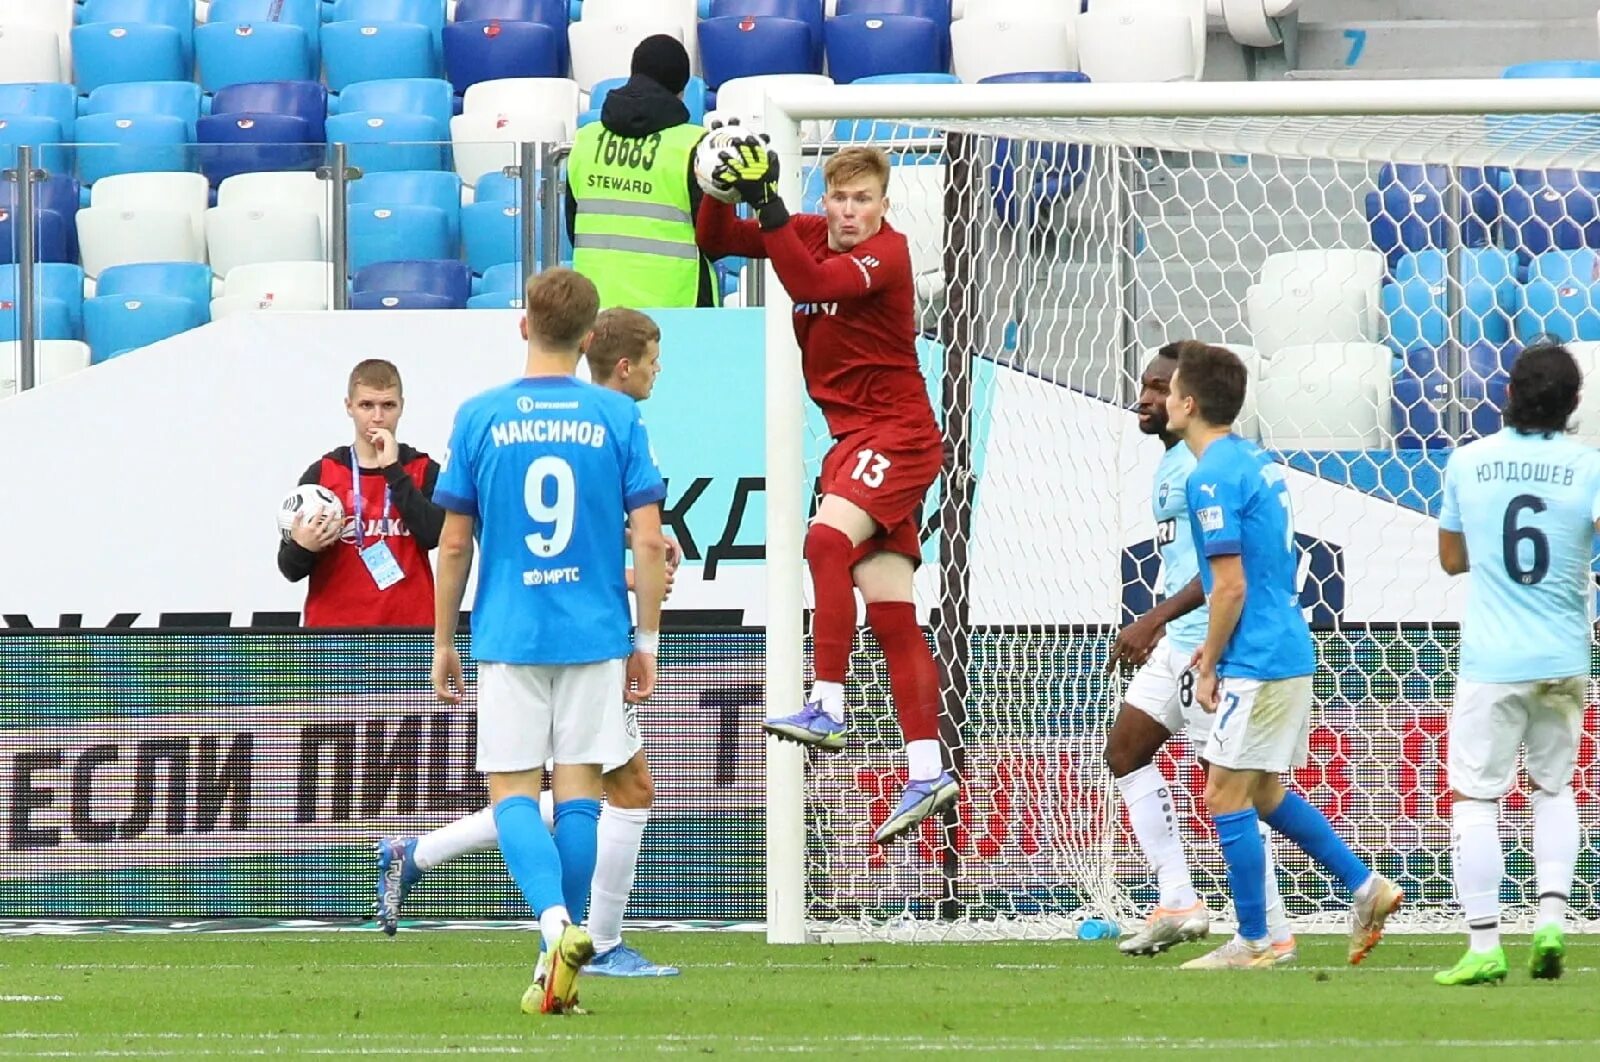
[1519, 514]
[542, 472]
[1253, 670]
[1159, 700]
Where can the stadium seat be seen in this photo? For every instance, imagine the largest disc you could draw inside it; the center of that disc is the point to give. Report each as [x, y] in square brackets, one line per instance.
[187, 192]
[1416, 304]
[484, 142]
[491, 234]
[1325, 396]
[50, 16]
[435, 188]
[1139, 43]
[104, 53]
[401, 300]
[488, 51]
[808, 11]
[389, 141]
[30, 54]
[59, 194]
[391, 233]
[1548, 210]
[494, 186]
[502, 279]
[682, 14]
[110, 144]
[232, 144]
[306, 14]
[306, 100]
[858, 129]
[179, 14]
[429, 13]
[936, 11]
[496, 300]
[286, 285]
[302, 191]
[428, 96]
[1421, 399]
[360, 51]
[42, 99]
[55, 358]
[111, 236]
[33, 131]
[859, 46]
[1586, 419]
[116, 324]
[747, 98]
[549, 12]
[182, 280]
[1407, 211]
[1314, 297]
[985, 48]
[605, 49]
[746, 46]
[540, 97]
[51, 320]
[233, 53]
[180, 99]
[60, 282]
[50, 240]
[446, 278]
[237, 236]
[1053, 170]
[1561, 297]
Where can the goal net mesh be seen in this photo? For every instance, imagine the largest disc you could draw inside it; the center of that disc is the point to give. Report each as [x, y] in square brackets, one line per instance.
[1377, 275]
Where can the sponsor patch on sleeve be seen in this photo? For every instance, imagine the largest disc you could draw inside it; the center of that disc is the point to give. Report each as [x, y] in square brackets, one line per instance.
[1211, 518]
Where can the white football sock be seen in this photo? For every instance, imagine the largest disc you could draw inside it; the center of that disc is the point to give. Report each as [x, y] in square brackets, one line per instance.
[1555, 850]
[551, 923]
[831, 694]
[924, 759]
[473, 833]
[1480, 864]
[1155, 826]
[1277, 915]
[619, 835]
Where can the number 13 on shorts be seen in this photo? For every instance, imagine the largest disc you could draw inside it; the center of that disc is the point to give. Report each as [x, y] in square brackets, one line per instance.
[870, 467]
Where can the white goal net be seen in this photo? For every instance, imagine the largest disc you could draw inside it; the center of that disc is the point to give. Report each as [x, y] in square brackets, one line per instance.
[1377, 272]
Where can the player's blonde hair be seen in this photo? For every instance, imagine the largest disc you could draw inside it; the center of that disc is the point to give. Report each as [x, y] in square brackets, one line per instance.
[561, 305]
[854, 162]
[619, 333]
[376, 373]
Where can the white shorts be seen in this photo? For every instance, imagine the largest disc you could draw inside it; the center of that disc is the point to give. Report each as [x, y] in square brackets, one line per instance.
[1163, 689]
[634, 738]
[571, 713]
[1261, 726]
[1491, 721]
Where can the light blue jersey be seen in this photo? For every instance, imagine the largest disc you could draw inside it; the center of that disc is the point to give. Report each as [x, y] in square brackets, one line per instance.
[1526, 505]
[549, 467]
[1175, 542]
[1239, 505]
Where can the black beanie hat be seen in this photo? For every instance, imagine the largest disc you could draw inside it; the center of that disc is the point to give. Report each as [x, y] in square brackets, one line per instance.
[662, 59]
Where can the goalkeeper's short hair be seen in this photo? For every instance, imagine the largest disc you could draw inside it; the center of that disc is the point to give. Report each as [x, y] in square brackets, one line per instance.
[854, 162]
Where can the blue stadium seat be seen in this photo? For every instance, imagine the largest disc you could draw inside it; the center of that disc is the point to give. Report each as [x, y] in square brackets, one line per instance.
[51, 320]
[808, 11]
[59, 194]
[1421, 394]
[1482, 386]
[389, 141]
[860, 46]
[42, 99]
[496, 300]
[307, 100]
[116, 324]
[551, 13]
[180, 99]
[235, 53]
[1561, 297]
[34, 131]
[496, 187]
[491, 234]
[179, 14]
[1036, 77]
[232, 144]
[435, 188]
[867, 129]
[109, 144]
[49, 241]
[1546, 210]
[1407, 212]
[505, 278]
[745, 46]
[104, 53]
[1416, 304]
[401, 300]
[402, 95]
[180, 280]
[307, 14]
[488, 51]
[429, 13]
[447, 278]
[935, 11]
[59, 282]
[390, 233]
[364, 51]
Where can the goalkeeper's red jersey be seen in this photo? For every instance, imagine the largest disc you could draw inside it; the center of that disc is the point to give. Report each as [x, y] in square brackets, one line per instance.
[854, 315]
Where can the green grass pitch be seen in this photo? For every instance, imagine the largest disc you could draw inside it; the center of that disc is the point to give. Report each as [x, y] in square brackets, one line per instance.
[455, 993]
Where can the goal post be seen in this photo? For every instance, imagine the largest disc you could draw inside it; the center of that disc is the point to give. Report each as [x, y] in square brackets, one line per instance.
[1376, 251]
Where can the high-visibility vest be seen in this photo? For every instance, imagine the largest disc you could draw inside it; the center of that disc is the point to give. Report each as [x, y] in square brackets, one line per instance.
[634, 231]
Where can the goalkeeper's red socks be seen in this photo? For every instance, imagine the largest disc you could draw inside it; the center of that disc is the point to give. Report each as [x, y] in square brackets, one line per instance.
[833, 623]
[914, 681]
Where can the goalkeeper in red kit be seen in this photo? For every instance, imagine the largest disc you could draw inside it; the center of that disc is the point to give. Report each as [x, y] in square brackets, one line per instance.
[849, 274]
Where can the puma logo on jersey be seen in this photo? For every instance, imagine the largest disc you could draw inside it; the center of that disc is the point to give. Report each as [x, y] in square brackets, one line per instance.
[866, 263]
[1208, 489]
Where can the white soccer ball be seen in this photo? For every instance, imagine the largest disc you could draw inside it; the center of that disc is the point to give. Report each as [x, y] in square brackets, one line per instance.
[312, 500]
[708, 156]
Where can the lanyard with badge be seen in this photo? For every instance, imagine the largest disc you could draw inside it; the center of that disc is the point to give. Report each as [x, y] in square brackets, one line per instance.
[378, 558]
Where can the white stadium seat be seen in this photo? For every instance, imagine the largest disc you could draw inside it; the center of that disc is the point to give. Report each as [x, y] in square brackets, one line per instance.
[1325, 396]
[300, 191]
[237, 236]
[485, 142]
[29, 53]
[188, 192]
[602, 50]
[539, 97]
[990, 45]
[683, 13]
[1318, 296]
[57, 16]
[55, 358]
[1143, 40]
[747, 98]
[112, 236]
[284, 285]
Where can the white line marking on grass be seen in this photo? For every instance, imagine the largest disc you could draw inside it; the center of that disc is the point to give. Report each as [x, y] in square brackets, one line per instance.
[30, 999]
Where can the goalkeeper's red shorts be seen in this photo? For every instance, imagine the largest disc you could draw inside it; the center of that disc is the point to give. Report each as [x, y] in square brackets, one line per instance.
[888, 475]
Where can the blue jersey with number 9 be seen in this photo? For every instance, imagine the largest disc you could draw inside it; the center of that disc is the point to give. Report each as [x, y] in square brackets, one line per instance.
[1526, 505]
[549, 467]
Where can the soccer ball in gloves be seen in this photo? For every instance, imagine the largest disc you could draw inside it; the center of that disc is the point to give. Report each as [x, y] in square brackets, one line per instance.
[708, 155]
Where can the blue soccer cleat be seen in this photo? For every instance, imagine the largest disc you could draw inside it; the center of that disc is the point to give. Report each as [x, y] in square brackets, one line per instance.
[920, 800]
[397, 872]
[809, 726]
[623, 961]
